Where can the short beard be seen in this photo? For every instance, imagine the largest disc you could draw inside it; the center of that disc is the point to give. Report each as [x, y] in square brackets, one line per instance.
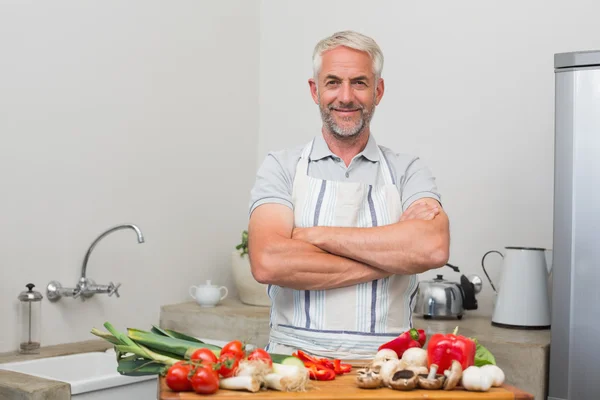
[351, 131]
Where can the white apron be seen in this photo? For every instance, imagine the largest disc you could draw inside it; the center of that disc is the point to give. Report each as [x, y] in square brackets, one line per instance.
[349, 322]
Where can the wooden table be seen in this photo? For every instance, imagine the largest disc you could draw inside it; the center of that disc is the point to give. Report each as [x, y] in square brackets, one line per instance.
[343, 387]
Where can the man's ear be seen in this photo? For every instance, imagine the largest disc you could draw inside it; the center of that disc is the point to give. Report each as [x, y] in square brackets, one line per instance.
[313, 90]
[379, 90]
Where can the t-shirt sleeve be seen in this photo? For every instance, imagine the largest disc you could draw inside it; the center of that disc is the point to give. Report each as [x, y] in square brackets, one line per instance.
[273, 183]
[418, 183]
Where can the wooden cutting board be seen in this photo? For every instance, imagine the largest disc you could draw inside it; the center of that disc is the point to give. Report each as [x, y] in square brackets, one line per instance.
[343, 387]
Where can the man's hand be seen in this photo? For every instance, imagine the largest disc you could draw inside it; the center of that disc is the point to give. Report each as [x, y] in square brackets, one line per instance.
[419, 241]
[305, 234]
[422, 210]
[277, 259]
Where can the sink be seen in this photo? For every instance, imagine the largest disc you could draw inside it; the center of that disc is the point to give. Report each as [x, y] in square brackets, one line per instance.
[85, 372]
[93, 375]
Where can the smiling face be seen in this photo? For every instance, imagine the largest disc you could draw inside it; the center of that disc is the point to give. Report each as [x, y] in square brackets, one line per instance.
[346, 91]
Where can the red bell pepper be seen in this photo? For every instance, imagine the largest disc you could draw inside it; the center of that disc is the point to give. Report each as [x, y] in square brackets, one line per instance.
[405, 341]
[322, 368]
[422, 337]
[444, 348]
[341, 368]
[320, 372]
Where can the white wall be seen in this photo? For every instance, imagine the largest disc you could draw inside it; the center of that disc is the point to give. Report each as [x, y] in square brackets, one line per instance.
[143, 112]
[470, 89]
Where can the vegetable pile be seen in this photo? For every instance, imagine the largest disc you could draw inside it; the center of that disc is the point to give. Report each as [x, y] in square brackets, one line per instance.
[448, 360]
[188, 364]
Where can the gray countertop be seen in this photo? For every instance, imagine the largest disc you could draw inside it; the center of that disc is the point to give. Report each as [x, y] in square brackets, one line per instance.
[482, 329]
[522, 354]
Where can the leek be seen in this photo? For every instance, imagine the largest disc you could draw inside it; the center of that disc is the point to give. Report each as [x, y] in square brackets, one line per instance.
[139, 367]
[181, 348]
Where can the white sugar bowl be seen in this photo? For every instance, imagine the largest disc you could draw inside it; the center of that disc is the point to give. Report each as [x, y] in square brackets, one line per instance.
[208, 295]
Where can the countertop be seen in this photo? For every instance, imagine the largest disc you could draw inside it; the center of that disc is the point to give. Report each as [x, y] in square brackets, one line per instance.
[522, 354]
[483, 330]
[344, 388]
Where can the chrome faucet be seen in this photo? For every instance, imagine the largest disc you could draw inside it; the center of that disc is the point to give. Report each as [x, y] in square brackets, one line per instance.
[86, 287]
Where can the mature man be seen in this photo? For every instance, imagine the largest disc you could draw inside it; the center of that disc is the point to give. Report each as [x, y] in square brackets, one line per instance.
[340, 226]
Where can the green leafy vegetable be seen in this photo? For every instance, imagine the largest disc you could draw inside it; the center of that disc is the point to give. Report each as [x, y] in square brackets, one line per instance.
[482, 355]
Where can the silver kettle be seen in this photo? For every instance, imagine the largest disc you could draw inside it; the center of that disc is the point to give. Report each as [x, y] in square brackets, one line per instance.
[440, 298]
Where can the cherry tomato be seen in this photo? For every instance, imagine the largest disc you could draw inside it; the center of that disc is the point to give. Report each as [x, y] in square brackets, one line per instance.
[235, 347]
[260, 354]
[205, 380]
[229, 364]
[177, 377]
[205, 356]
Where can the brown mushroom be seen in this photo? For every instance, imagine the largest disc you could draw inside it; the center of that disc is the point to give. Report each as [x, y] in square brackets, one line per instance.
[417, 369]
[453, 375]
[367, 378]
[387, 370]
[430, 384]
[403, 380]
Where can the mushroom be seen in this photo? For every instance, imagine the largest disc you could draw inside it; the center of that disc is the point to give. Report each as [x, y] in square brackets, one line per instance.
[474, 379]
[415, 356]
[403, 379]
[430, 384]
[387, 370]
[495, 372]
[385, 355]
[367, 378]
[453, 375]
[417, 370]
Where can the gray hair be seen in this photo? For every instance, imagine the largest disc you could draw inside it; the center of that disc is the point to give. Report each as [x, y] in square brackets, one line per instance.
[353, 40]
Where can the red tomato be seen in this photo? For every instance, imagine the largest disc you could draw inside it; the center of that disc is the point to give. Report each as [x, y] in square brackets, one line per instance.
[260, 354]
[234, 347]
[205, 356]
[205, 380]
[229, 364]
[177, 377]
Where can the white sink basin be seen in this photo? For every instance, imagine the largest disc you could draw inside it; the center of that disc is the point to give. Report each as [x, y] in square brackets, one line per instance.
[85, 372]
[93, 375]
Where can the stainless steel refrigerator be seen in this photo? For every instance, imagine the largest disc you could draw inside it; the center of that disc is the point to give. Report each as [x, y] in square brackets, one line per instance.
[574, 351]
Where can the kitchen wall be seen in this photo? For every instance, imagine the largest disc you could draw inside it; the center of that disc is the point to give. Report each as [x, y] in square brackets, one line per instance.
[114, 112]
[151, 113]
[469, 88]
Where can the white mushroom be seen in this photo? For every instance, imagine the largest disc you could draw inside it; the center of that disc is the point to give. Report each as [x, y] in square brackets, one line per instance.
[495, 373]
[415, 356]
[385, 355]
[474, 379]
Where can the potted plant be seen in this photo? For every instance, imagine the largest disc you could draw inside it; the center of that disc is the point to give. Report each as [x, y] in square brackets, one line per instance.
[250, 291]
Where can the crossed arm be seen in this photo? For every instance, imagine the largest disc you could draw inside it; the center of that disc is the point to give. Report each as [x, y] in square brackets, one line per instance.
[330, 257]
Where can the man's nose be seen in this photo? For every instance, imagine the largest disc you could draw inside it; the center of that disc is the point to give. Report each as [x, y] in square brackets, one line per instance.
[345, 94]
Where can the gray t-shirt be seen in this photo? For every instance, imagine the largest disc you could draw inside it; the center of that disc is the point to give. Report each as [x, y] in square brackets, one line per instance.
[275, 177]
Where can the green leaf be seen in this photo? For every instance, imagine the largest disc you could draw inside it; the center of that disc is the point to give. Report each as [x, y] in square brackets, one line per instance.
[158, 331]
[168, 344]
[106, 336]
[182, 336]
[482, 355]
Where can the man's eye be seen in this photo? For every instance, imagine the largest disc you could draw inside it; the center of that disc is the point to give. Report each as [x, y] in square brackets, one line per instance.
[332, 83]
[360, 83]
